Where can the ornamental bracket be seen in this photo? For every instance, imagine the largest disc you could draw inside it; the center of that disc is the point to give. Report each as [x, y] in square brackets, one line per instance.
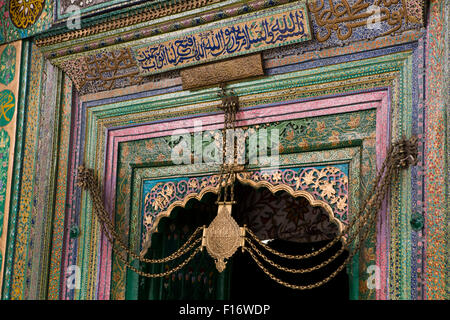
[230, 101]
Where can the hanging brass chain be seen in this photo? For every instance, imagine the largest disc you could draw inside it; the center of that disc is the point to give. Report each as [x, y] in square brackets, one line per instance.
[321, 265]
[401, 155]
[145, 274]
[162, 274]
[88, 181]
[404, 149]
[230, 106]
[314, 285]
[358, 220]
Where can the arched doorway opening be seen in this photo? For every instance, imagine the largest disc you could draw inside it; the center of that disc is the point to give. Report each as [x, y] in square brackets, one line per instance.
[290, 225]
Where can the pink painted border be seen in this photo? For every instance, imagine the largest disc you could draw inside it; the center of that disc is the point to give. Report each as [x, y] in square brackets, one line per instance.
[69, 243]
[334, 105]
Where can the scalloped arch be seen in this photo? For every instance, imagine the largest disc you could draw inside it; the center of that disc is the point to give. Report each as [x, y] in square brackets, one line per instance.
[254, 184]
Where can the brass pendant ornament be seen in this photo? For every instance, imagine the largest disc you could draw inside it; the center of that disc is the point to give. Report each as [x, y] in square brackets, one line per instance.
[223, 236]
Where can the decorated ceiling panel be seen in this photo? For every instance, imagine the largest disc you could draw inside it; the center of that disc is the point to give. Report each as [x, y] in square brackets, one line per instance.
[65, 8]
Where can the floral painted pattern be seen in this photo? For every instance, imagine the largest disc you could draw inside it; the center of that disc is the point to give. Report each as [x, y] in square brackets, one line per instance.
[284, 217]
[296, 136]
[4, 158]
[7, 65]
[329, 184]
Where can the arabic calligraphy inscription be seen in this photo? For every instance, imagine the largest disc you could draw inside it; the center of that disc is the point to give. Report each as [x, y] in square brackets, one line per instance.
[344, 16]
[249, 33]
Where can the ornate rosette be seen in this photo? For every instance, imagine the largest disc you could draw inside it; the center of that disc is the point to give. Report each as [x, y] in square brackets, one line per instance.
[24, 13]
[327, 185]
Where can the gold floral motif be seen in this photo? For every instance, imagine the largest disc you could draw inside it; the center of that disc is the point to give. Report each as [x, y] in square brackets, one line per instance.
[320, 127]
[276, 176]
[265, 176]
[168, 190]
[342, 203]
[308, 179]
[318, 180]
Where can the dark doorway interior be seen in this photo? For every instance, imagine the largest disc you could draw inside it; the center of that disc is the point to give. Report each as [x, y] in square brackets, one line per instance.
[294, 226]
[249, 282]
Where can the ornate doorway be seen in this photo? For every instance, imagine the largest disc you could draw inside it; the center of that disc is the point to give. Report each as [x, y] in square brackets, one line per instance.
[292, 225]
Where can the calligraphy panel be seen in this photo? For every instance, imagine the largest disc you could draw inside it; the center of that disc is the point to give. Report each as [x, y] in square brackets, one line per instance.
[248, 33]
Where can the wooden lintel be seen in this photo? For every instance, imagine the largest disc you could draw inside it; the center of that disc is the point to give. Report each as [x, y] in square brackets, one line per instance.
[223, 71]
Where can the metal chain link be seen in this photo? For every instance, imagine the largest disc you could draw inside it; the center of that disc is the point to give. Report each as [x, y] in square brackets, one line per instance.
[145, 274]
[227, 176]
[401, 155]
[87, 180]
[162, 274]
[406, 149]
[355, 220]
[285, 269]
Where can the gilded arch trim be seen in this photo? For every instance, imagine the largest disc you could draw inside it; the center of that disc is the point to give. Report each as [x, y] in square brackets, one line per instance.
[295, 193]
[162, 198]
